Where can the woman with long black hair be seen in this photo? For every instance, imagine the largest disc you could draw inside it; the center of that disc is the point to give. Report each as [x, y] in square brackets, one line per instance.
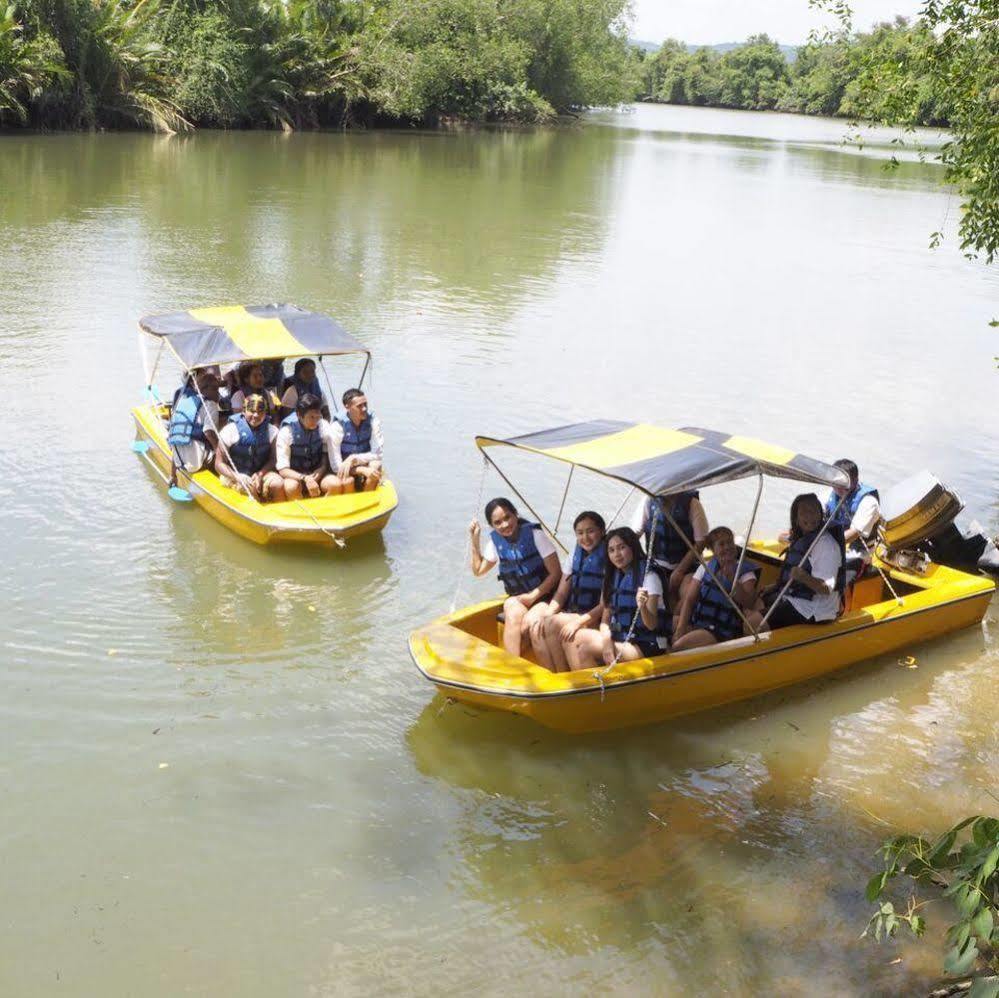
[635, 623]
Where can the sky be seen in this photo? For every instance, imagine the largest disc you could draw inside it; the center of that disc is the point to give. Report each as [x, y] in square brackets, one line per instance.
[705, 22]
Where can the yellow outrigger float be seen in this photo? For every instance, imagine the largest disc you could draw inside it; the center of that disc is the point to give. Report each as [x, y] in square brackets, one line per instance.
[889, 609]
[205, 337]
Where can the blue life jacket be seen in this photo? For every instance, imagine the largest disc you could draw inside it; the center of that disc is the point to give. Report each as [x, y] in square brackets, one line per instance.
[713, 611]
[624, 604]
[308, 387]
[844, 517]
[586, 585]
[796, 556]
[250, 453]
[357, 439]
[187, 418]
[306, 445]
[521, 567]
[667, 545]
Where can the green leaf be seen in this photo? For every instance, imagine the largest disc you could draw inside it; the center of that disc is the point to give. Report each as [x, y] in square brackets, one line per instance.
[985, 987]
[942, 847]
[958, 934]
[989, 866]
[958, 962]
[876, 885]
[982, 924]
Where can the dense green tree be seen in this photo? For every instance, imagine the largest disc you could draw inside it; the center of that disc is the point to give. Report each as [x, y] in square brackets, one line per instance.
[29, 64]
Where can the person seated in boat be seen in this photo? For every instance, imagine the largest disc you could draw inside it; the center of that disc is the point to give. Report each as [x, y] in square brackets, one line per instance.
[576, 603]
[303, 381]
[194, 418]
[668, 550]
[814, 564]
[857, 515]
[528, 567]
[252, 381]
[357, 439]
[706, 613]
[634, 622]
[246, 456]
[305, 454]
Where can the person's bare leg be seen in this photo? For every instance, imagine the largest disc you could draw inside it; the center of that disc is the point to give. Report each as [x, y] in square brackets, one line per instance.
[272, 489]
[587, 650]
[331, 486]
[697, 638]
[534, 622]
[513, 612]
[292, 488]
[553, 642]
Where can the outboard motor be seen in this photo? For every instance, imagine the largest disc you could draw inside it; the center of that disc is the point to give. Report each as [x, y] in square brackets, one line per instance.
[917, 525]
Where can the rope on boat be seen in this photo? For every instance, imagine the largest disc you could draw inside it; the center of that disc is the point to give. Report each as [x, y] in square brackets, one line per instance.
[466, 557]
[600, 673]
[613, 519]
[331, 534]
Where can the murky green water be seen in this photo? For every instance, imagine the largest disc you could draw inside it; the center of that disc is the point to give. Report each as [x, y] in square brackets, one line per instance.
[210, 787]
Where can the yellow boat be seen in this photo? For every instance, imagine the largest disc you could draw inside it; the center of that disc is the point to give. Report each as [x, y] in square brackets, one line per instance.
[887, 610]
[207, 337]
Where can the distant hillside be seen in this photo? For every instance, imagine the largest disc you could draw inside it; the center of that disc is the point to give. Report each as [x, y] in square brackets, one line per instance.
[790, 51]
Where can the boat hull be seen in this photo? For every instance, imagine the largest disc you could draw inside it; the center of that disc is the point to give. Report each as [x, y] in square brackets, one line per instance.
[323, 522]
[461, 657]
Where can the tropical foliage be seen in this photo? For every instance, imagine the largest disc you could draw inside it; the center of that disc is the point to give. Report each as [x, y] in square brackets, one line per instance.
[961, 869]
[884, 72]
[177, 64]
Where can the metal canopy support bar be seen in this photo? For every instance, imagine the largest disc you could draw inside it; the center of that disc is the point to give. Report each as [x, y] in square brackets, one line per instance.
[565, 494]
[516, 492]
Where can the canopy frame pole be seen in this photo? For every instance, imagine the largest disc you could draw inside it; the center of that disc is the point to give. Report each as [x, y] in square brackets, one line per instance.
[329, 385]
[364, 371]
[749, 533]
[707, 571]
[815, 540]
[467, 552]
[150, 372]
[529, 507]
[613, 519]
[565, 494]
[218, 435]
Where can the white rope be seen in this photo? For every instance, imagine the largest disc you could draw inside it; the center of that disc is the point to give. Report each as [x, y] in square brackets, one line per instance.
[600, 673]
[467, 556]
[898, 599]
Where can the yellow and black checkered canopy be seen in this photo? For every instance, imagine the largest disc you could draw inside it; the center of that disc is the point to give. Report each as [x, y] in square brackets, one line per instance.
[662, 462]
[228, 334]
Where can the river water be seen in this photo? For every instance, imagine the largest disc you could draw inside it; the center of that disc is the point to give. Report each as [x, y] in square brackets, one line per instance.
[221, 773]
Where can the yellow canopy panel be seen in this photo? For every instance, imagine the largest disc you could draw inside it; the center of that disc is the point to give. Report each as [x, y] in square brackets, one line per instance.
[662, 462]
[228, 334]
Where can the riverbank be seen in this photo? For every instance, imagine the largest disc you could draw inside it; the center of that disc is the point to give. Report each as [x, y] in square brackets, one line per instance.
[178, 66]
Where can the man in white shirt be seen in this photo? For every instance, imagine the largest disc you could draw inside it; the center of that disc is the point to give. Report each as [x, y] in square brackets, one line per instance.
[357, 443]
[305, 453]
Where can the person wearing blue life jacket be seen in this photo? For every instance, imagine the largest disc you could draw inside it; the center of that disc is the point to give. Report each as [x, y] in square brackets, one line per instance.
[528, 567]
[815, 567]
[306, 458]
[246, 455]
[303, 381]
[858, 514]
[635, 622]
[707, 615]
[357, 437]
[667, 549]
[576, 603]
[251, 376]
[194, 418]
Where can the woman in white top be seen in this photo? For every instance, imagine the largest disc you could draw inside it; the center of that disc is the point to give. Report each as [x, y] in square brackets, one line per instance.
[814, 564]
[634, 623]
[528, 567]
